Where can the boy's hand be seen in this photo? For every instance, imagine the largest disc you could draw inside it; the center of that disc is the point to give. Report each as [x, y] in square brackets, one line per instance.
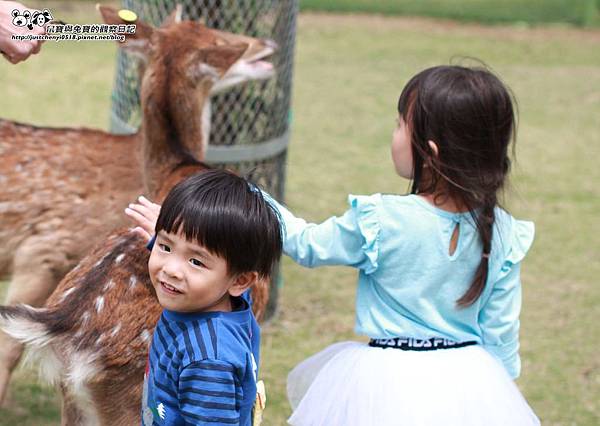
[144, 214]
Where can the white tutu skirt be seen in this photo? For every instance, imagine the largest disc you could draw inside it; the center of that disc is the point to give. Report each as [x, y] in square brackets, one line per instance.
[353, 384]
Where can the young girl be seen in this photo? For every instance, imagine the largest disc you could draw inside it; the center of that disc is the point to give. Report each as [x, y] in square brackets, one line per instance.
[439, 289]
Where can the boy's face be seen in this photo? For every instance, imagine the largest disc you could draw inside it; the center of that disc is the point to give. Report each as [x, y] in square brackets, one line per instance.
[188, 278]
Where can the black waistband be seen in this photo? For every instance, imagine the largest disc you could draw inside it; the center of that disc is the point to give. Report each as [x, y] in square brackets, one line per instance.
[411, 344]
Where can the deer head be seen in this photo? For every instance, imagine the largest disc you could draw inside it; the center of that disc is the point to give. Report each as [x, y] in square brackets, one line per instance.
[185, 63]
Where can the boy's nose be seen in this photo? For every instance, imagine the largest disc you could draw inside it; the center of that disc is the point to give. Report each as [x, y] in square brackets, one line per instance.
[173, 270]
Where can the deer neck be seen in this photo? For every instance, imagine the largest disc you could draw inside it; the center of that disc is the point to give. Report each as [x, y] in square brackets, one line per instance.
[174, 131]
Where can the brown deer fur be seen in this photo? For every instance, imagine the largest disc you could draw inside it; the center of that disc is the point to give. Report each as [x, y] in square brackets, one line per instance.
[67, 188]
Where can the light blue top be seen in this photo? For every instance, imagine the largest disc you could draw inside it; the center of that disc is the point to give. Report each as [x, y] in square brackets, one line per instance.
[408, 283]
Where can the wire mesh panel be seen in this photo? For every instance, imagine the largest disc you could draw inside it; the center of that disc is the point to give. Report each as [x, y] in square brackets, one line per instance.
[249, 123]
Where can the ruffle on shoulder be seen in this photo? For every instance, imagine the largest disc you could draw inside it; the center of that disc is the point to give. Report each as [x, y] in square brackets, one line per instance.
[521, 239]
[365, 207]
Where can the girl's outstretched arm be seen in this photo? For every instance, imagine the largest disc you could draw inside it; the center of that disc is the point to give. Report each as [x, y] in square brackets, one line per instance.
[336, 241]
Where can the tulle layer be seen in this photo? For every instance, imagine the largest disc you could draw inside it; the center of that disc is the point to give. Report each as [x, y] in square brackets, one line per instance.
[352, 384]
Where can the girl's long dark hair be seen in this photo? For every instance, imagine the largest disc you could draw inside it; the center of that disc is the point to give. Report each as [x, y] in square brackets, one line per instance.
[468, 113]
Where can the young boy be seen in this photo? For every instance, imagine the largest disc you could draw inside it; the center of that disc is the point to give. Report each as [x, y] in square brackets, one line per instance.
[216, 236]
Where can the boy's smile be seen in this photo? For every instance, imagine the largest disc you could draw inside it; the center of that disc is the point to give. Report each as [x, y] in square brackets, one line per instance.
[169, 288]
[188, 278]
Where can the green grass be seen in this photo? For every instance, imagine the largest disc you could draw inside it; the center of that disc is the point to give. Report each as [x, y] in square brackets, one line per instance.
[578, 12]
[349, 72]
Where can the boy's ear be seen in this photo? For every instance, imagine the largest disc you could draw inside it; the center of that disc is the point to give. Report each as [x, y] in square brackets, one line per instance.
[243, 282]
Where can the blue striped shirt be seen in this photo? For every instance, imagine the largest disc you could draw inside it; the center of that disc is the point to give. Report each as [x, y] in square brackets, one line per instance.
[202, 368]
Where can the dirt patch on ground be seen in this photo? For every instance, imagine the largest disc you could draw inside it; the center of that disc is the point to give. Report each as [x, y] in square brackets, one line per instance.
[518, 32]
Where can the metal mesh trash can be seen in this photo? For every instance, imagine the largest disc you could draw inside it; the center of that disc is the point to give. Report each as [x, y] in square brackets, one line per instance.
[250, 123]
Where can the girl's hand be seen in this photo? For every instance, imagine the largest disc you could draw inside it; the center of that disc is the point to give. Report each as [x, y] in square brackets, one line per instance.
[144, 214]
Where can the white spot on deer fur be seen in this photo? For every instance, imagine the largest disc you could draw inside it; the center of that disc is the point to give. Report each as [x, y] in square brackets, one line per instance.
[119, 258]
[85, 318]
[100, 339]
[100, 261]
[66, 294]
[132, 281]
[99, 303]
[18, 168]
[145, 336]
[115, 330]
[109, 285]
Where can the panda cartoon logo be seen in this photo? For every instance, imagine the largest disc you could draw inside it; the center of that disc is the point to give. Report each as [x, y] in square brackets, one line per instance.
[40, 18]
[20, 20]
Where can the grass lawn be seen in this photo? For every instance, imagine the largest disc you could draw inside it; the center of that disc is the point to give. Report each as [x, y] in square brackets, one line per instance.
[578, 12]
[349, 72]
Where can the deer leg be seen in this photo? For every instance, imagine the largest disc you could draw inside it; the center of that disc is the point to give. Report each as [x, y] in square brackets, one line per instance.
[117, 397]
[70, 414]
[34, 278]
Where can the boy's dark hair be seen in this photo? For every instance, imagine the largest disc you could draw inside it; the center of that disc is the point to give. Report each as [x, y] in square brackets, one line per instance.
[469, 114]
[228, 216]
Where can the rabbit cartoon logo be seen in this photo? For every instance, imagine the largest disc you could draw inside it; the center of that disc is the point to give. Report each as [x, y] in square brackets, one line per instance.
[29, 19]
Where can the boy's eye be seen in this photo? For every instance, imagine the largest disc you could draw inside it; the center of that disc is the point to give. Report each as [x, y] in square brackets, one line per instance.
[196, 262]
[165, 248]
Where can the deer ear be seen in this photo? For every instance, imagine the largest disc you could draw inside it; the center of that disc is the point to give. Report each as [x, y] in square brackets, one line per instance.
[174, 17]
[137, 43]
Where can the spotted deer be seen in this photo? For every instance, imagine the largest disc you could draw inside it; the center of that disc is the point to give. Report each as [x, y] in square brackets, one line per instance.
[92, 335]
